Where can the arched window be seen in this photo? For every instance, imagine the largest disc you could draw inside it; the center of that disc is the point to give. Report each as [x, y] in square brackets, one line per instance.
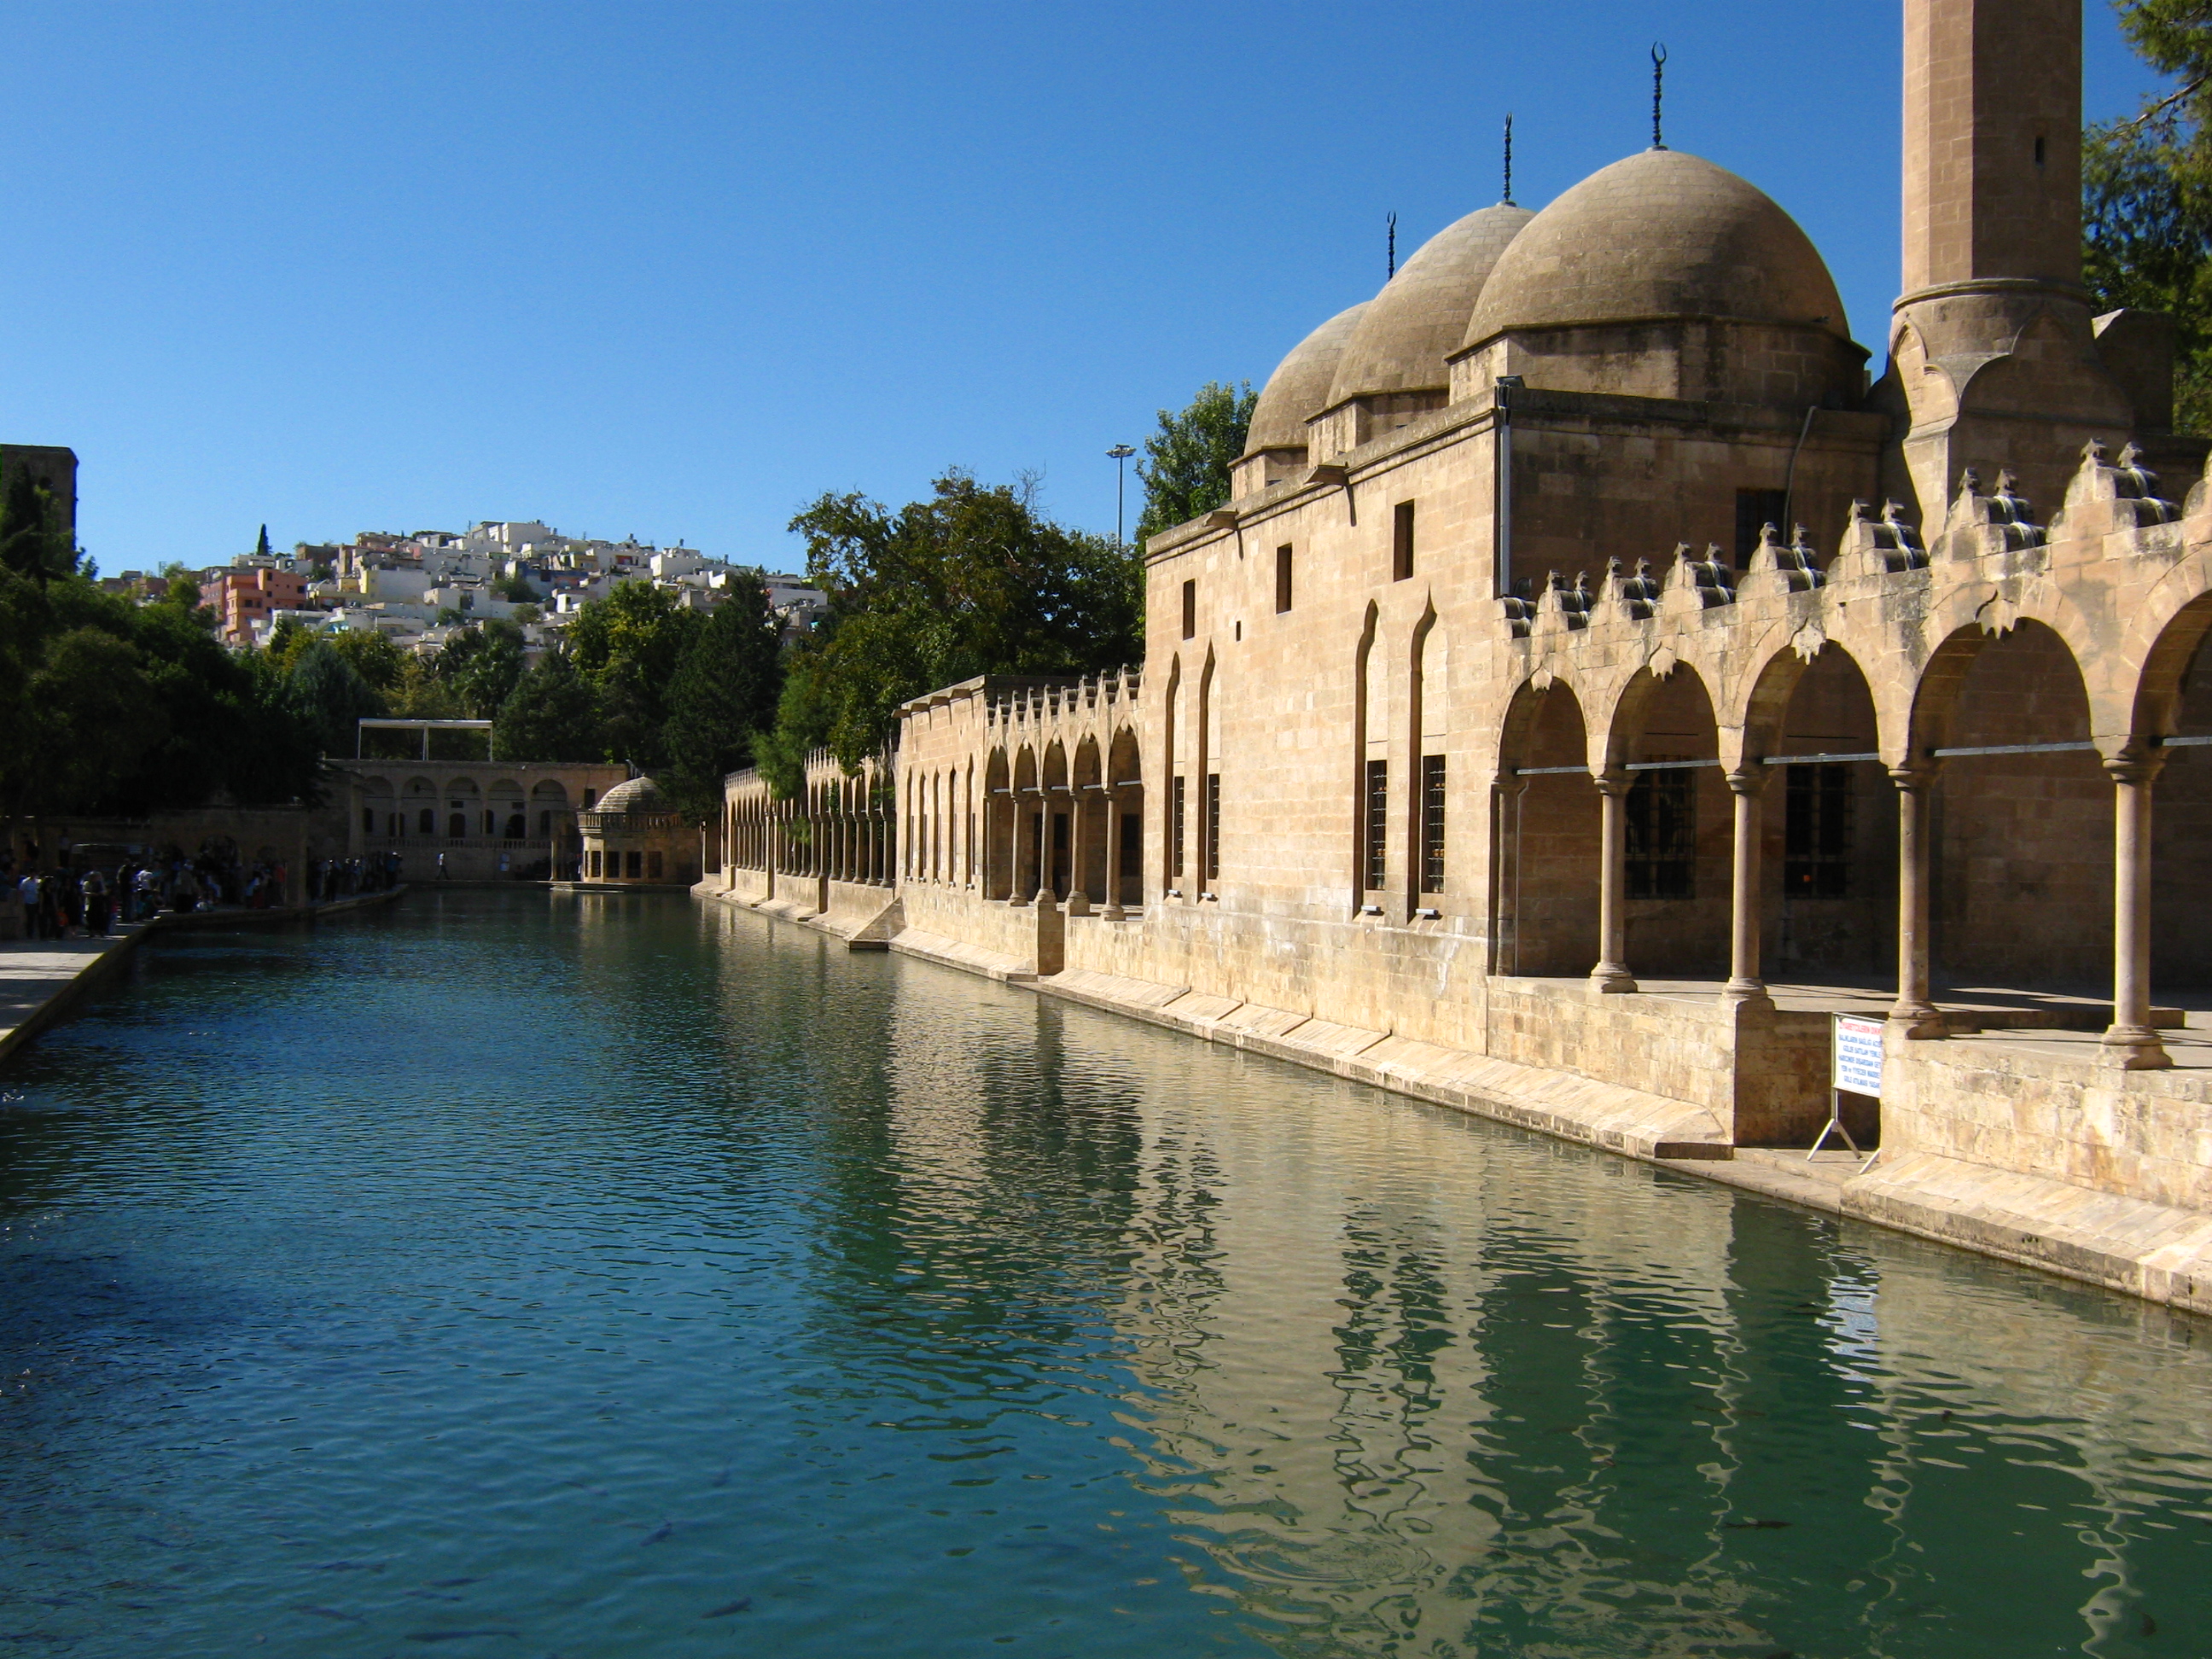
[428, 822]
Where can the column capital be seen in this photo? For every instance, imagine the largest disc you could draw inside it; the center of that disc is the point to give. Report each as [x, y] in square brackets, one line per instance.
[1613, 781]
[1750, 779]
[2135, 765]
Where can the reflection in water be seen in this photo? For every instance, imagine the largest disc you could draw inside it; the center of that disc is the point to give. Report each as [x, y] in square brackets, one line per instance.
[633, 1278]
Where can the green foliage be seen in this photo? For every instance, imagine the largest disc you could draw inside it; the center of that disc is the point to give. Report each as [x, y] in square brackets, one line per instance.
[32, 542]
[419, 694]
[629, 646]
[372, 654]
[328, 692]
[482, 665]
[113, 707]
[514, 587]
[1186, 471]
[2147, 196]
[971, 581]
[261, 548]
[552, 715]
[726, 691]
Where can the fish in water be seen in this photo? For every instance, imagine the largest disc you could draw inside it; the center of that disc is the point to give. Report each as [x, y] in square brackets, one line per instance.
[1754, 1525]
[743, 1604]
[660, 1534]
[332, 1612]
[723, 1478]
[452, 1583]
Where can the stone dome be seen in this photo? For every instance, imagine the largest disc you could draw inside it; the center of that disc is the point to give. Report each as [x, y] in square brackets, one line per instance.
[1299, 386]
[638, 795]
[1405, 332]
[1660, 235]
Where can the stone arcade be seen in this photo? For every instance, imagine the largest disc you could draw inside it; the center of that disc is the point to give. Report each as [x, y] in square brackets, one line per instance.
[1595, 684]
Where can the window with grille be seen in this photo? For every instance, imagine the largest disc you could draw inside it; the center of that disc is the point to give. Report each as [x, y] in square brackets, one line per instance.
[1401, 541]
[1189, 609]
[1282, 580]
[1212, 825]
[1378, 825]
[1175, 828]
[1663, 835]
[1816, 847]
[1432, 824]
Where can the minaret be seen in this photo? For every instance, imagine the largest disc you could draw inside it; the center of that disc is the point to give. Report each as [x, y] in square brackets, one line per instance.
[1993, 352]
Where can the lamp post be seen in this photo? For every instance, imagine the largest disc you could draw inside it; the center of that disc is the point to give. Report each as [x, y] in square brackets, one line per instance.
[1120, 453]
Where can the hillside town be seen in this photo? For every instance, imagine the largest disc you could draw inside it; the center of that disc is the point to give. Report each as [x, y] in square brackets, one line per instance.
[417, 589]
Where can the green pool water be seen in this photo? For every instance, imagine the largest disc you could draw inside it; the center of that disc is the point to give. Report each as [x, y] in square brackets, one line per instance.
[504, 1274]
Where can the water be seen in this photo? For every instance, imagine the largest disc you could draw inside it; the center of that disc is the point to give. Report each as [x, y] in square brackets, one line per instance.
[515, 1276]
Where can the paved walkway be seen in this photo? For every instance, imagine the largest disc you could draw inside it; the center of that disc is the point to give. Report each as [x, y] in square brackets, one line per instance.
[40, 977]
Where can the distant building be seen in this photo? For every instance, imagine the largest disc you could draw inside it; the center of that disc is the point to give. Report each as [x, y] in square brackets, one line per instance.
[50, 466]
[241, 599]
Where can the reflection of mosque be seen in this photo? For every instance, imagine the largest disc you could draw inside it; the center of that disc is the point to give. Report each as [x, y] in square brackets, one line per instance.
[1400, 1374]
[1427, 776]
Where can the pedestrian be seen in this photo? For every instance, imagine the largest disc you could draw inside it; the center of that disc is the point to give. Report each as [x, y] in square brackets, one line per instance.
[442, 876]
[27, 895]
[95, 905]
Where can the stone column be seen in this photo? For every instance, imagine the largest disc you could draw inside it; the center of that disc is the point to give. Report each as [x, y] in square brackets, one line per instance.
[1611, 976]
[2132, 1043]
[1078, 857]
[1112, 909]
[1746, 784]
[1912, 1015]
[1022, 888]
[1042, 855]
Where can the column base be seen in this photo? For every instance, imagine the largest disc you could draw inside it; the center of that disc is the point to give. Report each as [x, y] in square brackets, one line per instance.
[1609, 978]
[1747, 994]
[1018, 903]
[1113, 913]
[1917, 1021]
[1078, 904]
[1047, 902]
[2134, 1049]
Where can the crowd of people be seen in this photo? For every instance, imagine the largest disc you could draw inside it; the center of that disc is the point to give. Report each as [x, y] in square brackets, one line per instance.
[91, 895]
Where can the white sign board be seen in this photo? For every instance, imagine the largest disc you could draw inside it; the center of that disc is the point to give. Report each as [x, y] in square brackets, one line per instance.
[1858, 1055]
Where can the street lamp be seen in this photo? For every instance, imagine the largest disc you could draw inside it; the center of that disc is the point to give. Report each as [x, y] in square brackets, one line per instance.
[1120, 453]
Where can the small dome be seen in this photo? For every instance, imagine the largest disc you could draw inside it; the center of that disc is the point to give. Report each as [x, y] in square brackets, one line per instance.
[638, 795]
[1299, 386]
[1405, 331]
[1662, 234]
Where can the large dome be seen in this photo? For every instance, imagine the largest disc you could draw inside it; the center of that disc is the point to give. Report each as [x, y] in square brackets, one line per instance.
[1659, 236]
[1407, 331]
[638, 795]
[1299, 386]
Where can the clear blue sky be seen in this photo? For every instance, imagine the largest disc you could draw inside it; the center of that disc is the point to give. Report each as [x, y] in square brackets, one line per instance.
[674, 270]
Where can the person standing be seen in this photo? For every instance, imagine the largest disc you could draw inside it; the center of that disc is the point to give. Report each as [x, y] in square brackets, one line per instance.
[442, 876]
[95, 905]
[27, 895]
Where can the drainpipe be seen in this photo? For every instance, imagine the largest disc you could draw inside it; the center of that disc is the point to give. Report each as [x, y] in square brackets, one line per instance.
[1501, 529]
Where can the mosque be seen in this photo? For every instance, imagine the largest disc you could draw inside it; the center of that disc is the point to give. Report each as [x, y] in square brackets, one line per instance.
[1597, 684]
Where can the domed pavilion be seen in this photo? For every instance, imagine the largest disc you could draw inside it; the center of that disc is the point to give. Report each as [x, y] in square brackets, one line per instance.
[634, 837]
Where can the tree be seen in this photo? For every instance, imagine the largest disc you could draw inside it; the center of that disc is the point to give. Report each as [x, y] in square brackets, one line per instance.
[32, 542]
[972, 581]
[726, 691]
[552, 715]
[261, 548]
[627, 646]
[482, 664]
[419, 694]
[1186, 471]
[372, 655]
[330, 695]
[2147, 196]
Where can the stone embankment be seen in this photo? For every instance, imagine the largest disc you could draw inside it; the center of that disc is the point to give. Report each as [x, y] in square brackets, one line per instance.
[40, 979]
[2159, 1252]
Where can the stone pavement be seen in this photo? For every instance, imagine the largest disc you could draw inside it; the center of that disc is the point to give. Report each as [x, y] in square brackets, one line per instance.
[39, 978]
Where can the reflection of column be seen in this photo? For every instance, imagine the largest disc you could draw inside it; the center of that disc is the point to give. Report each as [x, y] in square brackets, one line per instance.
[1611, 976]
[2132, 1043]
[1744, 985]
[1112, 908]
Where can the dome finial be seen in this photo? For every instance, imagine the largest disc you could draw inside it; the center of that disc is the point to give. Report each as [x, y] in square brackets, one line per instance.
[1506, 200]
[1658, 86]
[1392, 257]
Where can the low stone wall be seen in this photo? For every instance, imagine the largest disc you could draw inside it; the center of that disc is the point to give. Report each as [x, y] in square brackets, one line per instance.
[2005, 1105]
